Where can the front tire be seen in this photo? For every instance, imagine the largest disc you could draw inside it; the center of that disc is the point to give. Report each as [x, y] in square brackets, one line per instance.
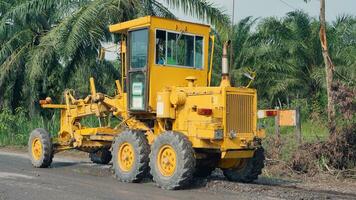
[130, 156]
[40, 148]
[172, 160]
[101, 156]
[248, 170]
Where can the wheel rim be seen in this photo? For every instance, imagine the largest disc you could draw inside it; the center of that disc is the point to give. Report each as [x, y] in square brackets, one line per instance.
[167, 160]
[126, 157]
[36, 148]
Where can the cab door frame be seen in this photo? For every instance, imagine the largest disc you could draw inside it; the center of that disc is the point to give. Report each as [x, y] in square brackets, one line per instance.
[144, 70]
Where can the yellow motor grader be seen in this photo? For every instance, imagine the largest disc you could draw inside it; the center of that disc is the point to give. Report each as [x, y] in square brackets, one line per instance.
[173, 124]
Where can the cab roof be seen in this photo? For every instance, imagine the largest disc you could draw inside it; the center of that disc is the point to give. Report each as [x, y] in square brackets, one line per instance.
[146, 21]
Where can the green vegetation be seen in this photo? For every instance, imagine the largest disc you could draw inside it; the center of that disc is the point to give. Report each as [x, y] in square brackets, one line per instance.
[15, 127]
[284, 147]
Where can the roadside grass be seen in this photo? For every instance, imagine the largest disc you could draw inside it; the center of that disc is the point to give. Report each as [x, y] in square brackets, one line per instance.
[312, 131]
[15, 128]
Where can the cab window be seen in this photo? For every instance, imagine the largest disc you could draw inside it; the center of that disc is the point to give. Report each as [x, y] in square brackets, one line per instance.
[199, 52]
[138, 48]
[160, 47]
[178, 49]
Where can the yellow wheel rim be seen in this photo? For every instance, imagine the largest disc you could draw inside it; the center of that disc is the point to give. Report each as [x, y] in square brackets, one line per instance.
[167, 160]
[37, 148]
[126, 157]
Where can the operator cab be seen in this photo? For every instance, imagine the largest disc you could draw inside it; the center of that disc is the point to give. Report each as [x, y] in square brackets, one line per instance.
[160, 53]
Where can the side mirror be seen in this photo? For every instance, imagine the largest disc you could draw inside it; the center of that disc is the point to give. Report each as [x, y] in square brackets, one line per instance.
[250, 75]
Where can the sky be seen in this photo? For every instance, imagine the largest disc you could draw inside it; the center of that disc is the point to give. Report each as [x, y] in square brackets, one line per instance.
[278, 8]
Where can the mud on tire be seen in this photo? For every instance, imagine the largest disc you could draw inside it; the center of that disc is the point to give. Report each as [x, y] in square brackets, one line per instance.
[40, 138]
[184, 162]
[141, 151]
[250, 171]
[101, 156]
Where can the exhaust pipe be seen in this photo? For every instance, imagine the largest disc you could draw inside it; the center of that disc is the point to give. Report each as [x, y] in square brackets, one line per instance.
[225, 81]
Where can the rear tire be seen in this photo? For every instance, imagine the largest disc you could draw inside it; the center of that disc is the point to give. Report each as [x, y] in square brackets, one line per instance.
[203, 171]
[101, 156]
[130, 156]
[249, 171]
[40, 148]
[205, 166]
[172, 160]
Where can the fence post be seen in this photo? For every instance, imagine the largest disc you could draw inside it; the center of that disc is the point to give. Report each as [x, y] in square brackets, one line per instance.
[276, 125]
[298, 126]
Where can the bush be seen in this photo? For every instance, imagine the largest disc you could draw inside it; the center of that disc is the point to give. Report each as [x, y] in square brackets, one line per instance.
[15, 127]
[339, 150]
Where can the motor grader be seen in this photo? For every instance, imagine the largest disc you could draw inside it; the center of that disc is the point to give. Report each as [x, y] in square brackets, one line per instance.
[173, 124]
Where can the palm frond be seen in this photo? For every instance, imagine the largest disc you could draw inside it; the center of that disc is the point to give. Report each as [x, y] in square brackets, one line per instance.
[18, 39]
[13, 61]
[28, 8]
[203, 10]
[161, 10]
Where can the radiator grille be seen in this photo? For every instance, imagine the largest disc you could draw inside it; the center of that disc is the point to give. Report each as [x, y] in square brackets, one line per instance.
[239, 113]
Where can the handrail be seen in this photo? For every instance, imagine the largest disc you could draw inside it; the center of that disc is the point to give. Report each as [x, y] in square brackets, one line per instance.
[212, 37]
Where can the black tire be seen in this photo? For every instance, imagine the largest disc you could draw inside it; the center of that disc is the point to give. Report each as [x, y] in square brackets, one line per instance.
[141, 150]
[250, 171]
[101, 156]
[204, 167]
[203, 171]
[184, 165]
[46, 156]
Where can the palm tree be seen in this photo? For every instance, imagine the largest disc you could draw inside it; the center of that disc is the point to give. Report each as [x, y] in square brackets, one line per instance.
[45, 43]
[342, 46]
[285, 53]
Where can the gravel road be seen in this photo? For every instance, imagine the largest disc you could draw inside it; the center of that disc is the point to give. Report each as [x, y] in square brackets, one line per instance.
[76, 178]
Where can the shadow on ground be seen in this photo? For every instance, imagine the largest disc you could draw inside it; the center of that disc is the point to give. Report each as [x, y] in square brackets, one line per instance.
[218, 177]
[58, 164]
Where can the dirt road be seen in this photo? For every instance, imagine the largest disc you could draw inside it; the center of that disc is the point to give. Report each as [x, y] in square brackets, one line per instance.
[76, 178]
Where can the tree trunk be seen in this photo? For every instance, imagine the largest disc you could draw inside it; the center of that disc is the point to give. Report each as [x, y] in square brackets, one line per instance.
[329, 69]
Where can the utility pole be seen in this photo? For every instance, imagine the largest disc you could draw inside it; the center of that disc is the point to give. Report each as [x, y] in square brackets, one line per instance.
[329, 69]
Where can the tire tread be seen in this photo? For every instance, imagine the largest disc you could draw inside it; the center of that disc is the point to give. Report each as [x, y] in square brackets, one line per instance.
[251, 171]
[47, 148]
